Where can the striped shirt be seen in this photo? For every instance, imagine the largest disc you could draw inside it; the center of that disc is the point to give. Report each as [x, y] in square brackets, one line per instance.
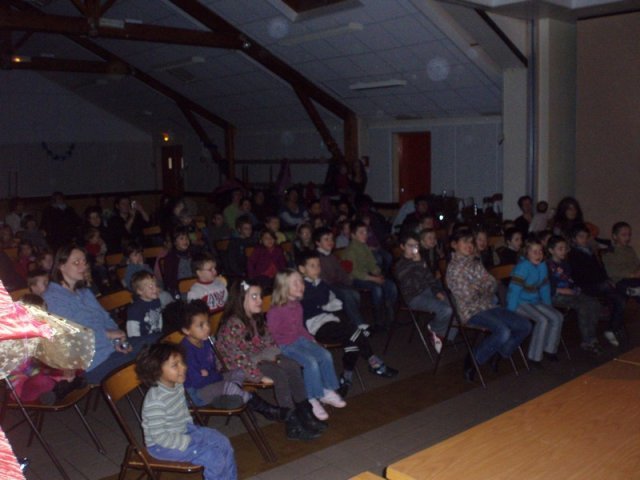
[165, 416]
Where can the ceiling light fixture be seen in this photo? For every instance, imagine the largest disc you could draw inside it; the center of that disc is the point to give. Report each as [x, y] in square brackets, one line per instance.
[380, 84]
[331, 32]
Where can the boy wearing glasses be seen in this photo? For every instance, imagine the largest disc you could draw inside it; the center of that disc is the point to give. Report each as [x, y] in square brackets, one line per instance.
[209, 287]
[420, 289]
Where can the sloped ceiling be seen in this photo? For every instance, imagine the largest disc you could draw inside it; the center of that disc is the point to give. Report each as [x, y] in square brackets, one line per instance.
[371, 41]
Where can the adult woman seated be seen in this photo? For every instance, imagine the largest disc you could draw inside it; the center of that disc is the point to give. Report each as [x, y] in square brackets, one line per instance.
[68, 298]
[474, 291]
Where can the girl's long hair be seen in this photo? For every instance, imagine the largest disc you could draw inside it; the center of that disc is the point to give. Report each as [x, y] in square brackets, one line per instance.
[280, 294]
[235, 309]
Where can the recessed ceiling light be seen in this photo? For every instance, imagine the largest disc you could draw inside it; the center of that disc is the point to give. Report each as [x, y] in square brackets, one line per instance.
[330, 32]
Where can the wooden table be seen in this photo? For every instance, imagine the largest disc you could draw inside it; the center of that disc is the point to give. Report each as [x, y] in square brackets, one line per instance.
[632, 356]
[588, 428]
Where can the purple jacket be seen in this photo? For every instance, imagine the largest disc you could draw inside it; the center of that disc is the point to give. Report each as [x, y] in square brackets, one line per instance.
[285, 323]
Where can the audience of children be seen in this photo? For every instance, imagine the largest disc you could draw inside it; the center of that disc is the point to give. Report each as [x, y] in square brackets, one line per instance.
[134, 255]
[622, 263]
[430, 251]
[169, 431]
[209, 288]
[286, 324]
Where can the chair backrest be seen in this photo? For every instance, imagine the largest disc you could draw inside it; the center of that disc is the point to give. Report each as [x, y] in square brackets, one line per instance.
[116, 300]
[266, 303]
[185, 284]
[153, 252]
[495, 240]
[18, 294]
[113, 259]
[502, 272]
[214, 322]
[174, 337]
[222, 245]
[248, 251]
[12, 252]
[154, 230]
[120, 273]
[118, 385]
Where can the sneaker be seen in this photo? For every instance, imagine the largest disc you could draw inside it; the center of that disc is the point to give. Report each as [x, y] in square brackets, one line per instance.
[333, 399]
[345, 386]
[436, 341]
[552, 357]
[633, 291]
[384, 371]
[593, 348]
[318, 410]
[611, 337]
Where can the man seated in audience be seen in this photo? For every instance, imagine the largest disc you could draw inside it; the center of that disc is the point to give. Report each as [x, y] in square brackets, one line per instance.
[126, 224]
[523, 221]
[59, 221]
[421, 290]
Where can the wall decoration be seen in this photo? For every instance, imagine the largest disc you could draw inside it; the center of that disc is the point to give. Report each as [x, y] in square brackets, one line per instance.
[59, 157]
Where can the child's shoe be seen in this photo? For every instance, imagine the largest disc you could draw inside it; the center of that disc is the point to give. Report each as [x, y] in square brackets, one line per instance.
[345, 385]
[611, 337]
[633, 291]
[318, 410]
[383, 371]
[333, 399]
[436, 341]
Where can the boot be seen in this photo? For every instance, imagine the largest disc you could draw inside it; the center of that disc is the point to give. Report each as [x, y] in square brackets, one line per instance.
[267, 410]
[308, 419]
[295, 429]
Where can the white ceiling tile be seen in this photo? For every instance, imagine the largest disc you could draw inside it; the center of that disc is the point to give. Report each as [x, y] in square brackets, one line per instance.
[408, 31]
[376, 38]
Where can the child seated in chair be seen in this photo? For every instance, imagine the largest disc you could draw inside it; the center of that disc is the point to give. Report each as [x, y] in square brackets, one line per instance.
[135, 263]
[320, 307]
[236, 259]
[177, 263]
[205, 383]
[169, 432]
[37, 282]
[421, 290]
[209, 287]
[590, 275]
[509, 254]
[144, 315]
[565, 293]
[623, 264]
[266, 260]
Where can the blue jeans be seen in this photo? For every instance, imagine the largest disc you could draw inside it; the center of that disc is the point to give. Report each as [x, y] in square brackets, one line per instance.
[547, 330]
[318, 371]
[387, 293]
[426, 301]
[208, 448]
[508, 330]
[350, 299]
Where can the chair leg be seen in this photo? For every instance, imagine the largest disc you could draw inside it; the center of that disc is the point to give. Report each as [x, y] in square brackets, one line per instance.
[513, 365]
[564, 346]
[524, 359]
[257, 436]
[37, 433]
[92, 434]
[360, 380]
[473, 357]
[421, 335]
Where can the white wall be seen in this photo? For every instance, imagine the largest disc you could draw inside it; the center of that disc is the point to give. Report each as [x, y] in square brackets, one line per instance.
[466, 156]
[109, 154]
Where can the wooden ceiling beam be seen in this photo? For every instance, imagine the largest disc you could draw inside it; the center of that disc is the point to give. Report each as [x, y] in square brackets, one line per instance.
[263, 56]
[47, 64]
[106, 6]
[322, 128]
[80, 26]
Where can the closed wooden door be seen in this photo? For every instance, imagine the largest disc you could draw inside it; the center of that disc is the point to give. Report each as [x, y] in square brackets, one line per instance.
[172, 170]
[414, 165]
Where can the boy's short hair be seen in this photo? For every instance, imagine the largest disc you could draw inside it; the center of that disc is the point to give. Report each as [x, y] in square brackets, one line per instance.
[555, 240]
[242, 220]
[32, 277]
[198, 262]
[321, 232]
[150, 359]
[132, 247]
[179, 232]
[577, 229]
[619, 226]
[530, 242]
[267, 231]
[407, 236]
[91, 231]
[303, 257]
[355, 225]
[424, 231]
[522, 199]
[510, 232]
[461, 234]
[139, 277]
